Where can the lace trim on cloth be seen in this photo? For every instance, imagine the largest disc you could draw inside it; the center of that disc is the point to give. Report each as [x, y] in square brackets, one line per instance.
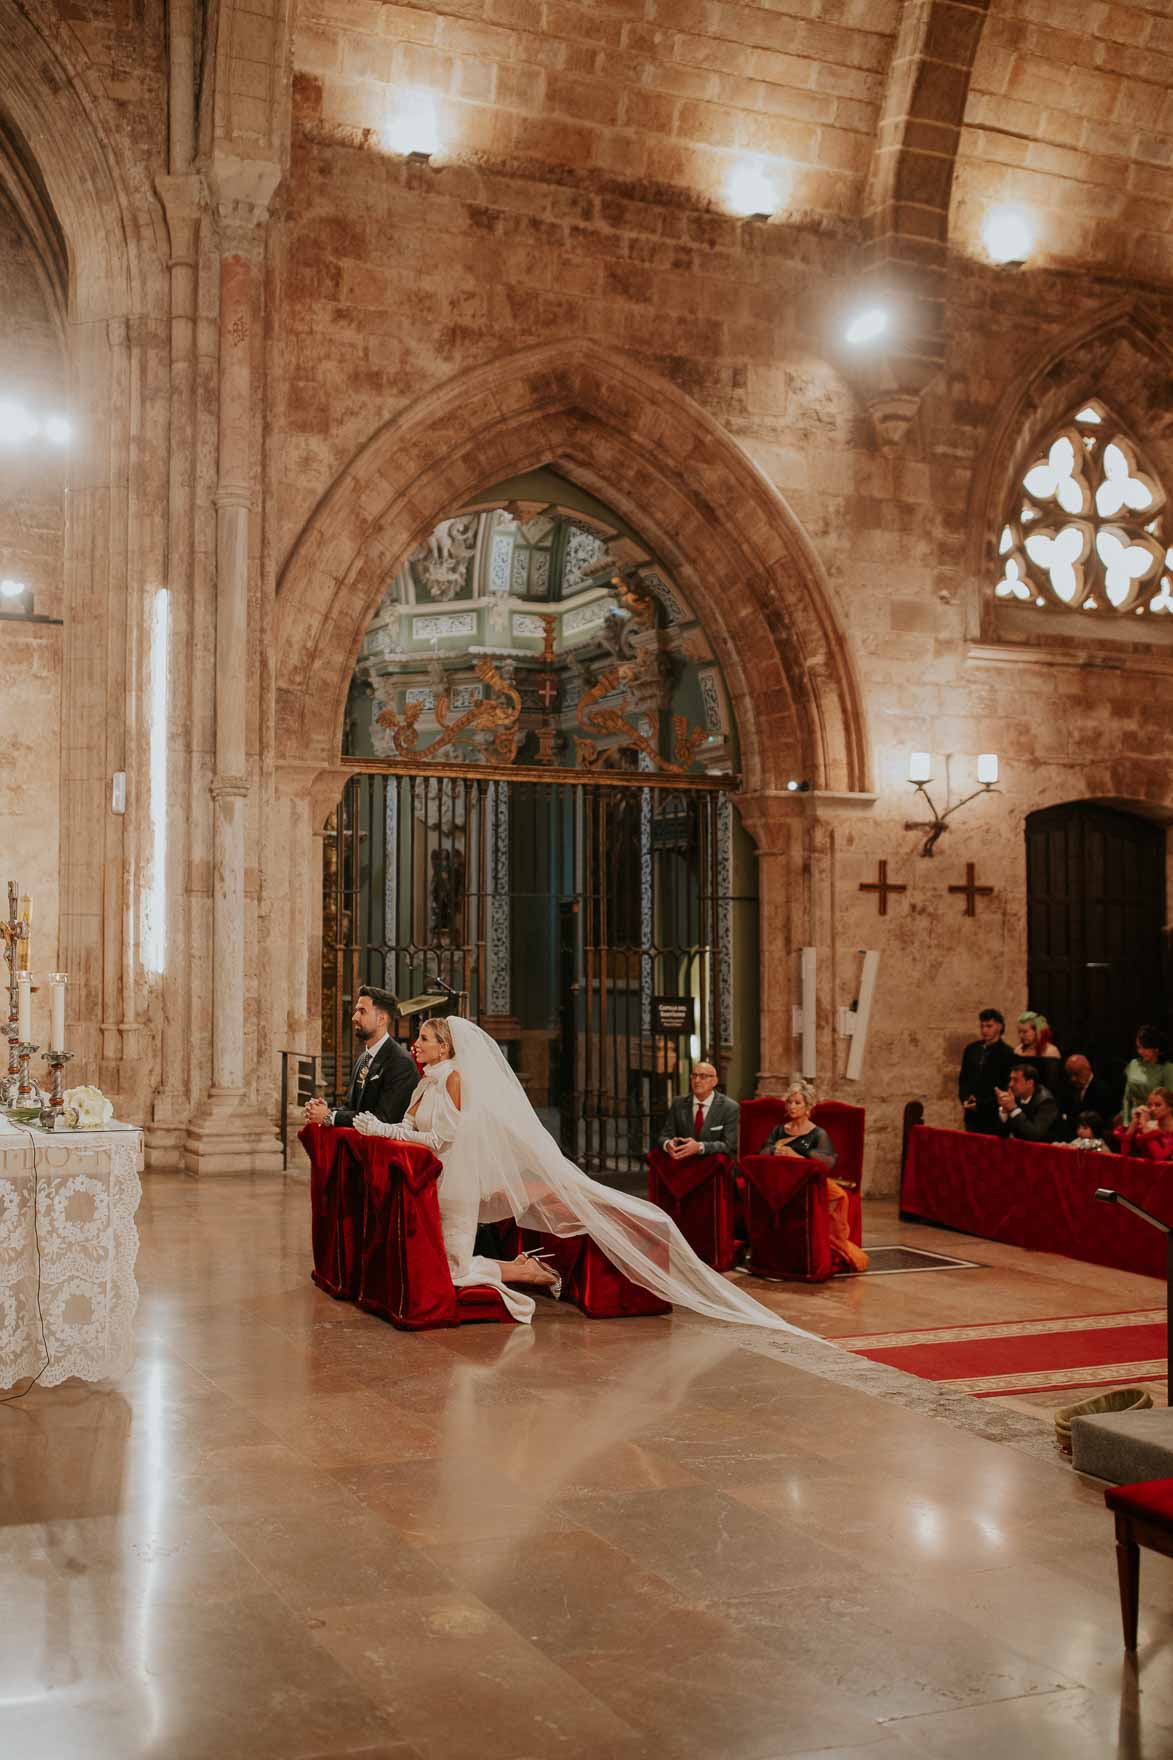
[88, 1193]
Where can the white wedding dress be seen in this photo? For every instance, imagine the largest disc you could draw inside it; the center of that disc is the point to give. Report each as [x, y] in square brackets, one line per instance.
[500, 1161]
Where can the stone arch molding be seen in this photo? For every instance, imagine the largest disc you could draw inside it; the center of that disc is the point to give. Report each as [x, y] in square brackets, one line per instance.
[633, 440]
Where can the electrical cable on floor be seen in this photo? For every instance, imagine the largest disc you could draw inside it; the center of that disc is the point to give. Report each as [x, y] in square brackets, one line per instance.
[9, 1398]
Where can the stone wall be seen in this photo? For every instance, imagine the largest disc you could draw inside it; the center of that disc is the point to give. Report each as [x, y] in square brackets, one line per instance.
[565, 273]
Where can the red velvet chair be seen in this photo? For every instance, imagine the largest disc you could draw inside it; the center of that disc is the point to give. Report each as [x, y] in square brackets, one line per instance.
[700, 1197]
[787, 1211]
[1144, 1517]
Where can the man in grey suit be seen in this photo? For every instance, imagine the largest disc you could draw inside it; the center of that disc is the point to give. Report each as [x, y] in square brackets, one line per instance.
[703, 1123]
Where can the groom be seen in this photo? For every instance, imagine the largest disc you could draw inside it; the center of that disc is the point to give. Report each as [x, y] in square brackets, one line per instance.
[384, 1078]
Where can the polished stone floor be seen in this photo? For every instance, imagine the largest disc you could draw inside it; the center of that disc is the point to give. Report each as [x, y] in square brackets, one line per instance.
[293, 1532]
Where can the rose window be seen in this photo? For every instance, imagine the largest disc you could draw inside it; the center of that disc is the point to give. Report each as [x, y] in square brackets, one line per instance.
[1087, 525]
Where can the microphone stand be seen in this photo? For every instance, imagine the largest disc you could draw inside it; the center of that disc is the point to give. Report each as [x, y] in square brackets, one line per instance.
[1107, 1196]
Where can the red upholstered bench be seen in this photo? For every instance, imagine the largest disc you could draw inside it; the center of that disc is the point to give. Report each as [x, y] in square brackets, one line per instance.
[699, 1195]
[1144, 1517]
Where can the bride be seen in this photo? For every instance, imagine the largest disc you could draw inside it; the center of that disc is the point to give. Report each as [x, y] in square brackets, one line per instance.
[499, 1161]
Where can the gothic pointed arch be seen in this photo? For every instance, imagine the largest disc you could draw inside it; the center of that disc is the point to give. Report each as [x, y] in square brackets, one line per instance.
[630, 438]
[1118, 360]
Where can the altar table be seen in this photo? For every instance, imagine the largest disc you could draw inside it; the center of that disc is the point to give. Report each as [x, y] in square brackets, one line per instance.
[1037, 1195]
[85, 1243]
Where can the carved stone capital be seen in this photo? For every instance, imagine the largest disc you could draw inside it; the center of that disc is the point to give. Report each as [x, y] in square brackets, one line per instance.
[183, 200]
[228, 788]
[240, 191]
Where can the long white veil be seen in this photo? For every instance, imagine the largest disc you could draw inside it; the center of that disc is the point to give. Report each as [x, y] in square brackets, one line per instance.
[504, 1153]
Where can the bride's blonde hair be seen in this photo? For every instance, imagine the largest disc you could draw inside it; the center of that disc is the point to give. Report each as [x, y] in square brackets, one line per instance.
[440, 1030]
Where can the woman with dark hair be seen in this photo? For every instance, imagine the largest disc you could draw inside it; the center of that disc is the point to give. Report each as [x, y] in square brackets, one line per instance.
[1149, 1069]
[1150, 1135]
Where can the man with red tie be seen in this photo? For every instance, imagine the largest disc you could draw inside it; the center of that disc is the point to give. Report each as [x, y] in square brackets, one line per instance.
[703, 1123]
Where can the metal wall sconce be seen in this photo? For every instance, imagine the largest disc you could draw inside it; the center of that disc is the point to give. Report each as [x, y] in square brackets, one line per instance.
[920, 774]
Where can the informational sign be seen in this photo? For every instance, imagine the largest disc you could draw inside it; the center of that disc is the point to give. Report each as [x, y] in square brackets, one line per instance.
[673, 1014]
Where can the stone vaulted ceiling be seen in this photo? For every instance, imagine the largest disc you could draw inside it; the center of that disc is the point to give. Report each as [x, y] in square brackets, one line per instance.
[1070, 113]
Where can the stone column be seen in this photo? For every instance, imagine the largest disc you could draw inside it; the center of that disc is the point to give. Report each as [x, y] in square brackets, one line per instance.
[226, 1135]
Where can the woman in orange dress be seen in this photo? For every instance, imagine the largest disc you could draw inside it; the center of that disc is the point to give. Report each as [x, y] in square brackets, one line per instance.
[800, 1136]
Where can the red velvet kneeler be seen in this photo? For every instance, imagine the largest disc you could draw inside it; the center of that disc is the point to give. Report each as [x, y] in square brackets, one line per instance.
[788, 1217]
[698, 1194]
[589, 1279]
[404, 1275]
[335, 1210]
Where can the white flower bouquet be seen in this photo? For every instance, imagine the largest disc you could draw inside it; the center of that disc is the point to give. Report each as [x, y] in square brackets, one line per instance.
[91, 1106]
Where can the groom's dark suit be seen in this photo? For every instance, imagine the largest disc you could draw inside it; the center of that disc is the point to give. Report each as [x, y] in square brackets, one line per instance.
[382, 1085]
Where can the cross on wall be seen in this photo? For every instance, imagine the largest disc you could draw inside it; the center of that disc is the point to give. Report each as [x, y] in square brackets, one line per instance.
[882, 886]
[972, 890]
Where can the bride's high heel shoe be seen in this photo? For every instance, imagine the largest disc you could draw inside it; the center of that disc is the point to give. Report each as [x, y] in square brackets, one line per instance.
[528, 1268]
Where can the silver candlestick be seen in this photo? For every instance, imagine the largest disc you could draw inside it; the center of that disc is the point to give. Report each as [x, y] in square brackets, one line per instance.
[25, 1089]
[53, 1112]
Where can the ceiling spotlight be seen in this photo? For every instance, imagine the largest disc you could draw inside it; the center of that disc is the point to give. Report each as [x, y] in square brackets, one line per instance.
[752, 195]
[58, 430]
[12, 589]
[1008, 236]
[867, 325]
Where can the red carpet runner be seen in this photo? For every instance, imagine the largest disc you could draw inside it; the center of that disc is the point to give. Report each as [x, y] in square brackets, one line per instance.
[1027, 1356]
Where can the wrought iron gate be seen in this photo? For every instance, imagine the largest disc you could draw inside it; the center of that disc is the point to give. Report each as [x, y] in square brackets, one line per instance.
[565, 908]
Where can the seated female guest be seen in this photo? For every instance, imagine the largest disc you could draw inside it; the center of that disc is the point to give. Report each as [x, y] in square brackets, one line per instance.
[1149, 1069]
[798, 1135]
[1150, 1135]
[1034, 1038]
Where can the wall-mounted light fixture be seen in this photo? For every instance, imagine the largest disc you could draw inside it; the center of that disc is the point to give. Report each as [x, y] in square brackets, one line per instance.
[751, 193]
[16, 598]
[413, 127]
[920, 774]
[866, 326]
[795, 786]
[1008, 237]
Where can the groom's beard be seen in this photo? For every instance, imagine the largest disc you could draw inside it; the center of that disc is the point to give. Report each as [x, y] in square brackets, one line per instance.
[364, 1034]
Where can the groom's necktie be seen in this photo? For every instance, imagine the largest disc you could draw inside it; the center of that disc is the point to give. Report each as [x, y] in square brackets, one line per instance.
[359, 1081]
[698, 1123]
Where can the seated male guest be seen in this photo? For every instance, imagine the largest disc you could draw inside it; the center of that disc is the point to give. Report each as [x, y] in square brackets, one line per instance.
[1086, 1092]
[384, 1078]
[703, 1123]
[1027, 1110]
[985, 1066]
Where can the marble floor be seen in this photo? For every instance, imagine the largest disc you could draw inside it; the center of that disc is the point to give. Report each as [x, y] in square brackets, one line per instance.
[292, 1532]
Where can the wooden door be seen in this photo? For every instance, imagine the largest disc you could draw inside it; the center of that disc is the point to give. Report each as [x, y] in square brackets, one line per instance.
[1096, 908]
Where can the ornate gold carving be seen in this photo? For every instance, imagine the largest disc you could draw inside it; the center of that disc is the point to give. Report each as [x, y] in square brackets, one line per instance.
[499, 712]
[687, 739]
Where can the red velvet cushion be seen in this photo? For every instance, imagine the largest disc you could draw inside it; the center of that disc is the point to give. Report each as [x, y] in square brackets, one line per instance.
[1150, 1499]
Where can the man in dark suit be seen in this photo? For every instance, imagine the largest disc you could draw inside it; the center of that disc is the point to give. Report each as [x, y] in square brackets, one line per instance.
[1028, 1111]
[985, 1066]
[701, 1123]
[384, 1078]
[1086, 1092]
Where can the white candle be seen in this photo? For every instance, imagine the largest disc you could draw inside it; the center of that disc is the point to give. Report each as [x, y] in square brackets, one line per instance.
[57, 1011]
[24, 1007]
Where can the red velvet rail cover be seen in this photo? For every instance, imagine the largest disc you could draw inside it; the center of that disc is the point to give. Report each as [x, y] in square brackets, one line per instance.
[1038, 1196]
[375, 1220]
[787, 1216]
[698, 1194]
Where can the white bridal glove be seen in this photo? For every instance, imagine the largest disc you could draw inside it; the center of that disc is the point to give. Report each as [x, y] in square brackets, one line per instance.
[370, 1126]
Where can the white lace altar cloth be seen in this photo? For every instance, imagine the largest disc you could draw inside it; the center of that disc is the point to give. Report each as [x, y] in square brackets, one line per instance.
[87, 1191]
